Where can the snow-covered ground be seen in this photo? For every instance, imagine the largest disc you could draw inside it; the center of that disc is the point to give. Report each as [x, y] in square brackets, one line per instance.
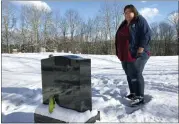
[21, 88]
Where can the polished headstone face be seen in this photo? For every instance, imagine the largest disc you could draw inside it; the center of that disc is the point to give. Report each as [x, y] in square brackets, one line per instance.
[68, 78]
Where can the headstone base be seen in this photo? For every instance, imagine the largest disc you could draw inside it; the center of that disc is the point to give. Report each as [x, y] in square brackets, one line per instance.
[45, 119]
[42, 115]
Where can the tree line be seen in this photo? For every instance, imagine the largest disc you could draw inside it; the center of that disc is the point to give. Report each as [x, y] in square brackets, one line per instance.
[36, 28]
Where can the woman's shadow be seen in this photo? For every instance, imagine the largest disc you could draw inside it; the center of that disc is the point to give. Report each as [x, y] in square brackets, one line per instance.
[126, 103]
[27, 98]
[18, 117]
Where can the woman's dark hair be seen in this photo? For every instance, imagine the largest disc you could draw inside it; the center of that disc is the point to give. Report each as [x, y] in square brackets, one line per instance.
[132, 8]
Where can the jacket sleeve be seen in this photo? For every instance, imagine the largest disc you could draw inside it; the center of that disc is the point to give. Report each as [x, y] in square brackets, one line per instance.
[145, 32]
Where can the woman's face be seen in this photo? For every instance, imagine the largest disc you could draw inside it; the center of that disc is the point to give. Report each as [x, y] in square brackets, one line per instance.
[129, 15]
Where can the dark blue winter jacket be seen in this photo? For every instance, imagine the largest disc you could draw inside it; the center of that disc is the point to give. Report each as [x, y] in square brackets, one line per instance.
[140, 35]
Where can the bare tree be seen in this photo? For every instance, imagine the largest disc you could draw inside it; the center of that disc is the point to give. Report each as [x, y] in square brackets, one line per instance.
[166, 34]
[106, 12]
[155, 44]
[81, 30]
[89, 29]
[166, 31]
[97, 27]
[33, 16]
[155, 31]
[64, 27]
[174, 19]
[57, 25]
[72, 17]
[8, 23]
[117, 15]
[47, 25]
[23, 29]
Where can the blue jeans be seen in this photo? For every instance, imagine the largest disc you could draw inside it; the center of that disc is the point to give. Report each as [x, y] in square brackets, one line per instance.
[134, 70]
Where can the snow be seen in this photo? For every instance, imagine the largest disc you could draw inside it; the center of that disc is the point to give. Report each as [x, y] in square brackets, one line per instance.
[64, 114]
[22, 93]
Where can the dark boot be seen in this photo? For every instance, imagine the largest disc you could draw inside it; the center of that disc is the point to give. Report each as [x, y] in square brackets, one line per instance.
[138, 100]
[131, 96]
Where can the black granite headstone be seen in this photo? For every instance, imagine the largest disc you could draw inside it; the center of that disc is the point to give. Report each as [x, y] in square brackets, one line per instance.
[68, 79]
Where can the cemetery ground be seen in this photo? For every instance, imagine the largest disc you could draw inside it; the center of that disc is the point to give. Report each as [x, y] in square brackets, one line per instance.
[22, 93]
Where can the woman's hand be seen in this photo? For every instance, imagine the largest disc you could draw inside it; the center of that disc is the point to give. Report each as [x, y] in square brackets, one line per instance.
[139, 51]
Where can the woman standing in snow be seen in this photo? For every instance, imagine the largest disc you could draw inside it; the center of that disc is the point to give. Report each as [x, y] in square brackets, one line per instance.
[132, 49]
